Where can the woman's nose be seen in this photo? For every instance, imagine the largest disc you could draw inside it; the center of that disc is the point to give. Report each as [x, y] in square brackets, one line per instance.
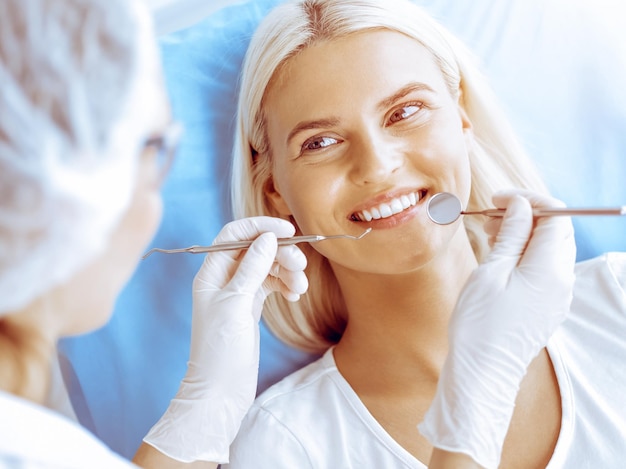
[375, 159]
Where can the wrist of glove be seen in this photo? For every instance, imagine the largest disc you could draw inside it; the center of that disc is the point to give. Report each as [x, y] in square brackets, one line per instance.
[228, 294]
[505, 315]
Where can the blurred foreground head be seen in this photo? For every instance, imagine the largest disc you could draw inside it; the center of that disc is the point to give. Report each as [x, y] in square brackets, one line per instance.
[76, 84]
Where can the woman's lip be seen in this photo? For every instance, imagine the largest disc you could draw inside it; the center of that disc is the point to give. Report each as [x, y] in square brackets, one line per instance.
[388, 197]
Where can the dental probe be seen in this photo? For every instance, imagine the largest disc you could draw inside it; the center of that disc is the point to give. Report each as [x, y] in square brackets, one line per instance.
[245, 244]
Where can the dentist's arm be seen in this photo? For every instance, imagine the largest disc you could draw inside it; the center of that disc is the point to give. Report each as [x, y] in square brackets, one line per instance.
[508, 310]
[220, 384]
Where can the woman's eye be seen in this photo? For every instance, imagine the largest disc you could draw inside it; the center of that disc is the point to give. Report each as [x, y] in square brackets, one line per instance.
[404, 112]
[318, 143]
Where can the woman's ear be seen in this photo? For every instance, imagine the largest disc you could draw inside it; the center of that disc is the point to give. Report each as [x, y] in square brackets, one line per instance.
[465, 120]
[466, 123]
[276, 199]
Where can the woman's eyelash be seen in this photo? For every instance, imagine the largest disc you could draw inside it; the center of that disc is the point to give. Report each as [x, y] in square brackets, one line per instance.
[318, 143]
[405, 111]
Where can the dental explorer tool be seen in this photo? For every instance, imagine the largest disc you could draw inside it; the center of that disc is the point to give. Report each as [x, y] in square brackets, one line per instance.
[245, 244]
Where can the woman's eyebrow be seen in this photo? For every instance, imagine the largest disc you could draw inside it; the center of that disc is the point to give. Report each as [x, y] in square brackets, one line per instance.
[313, 124]
[401, 93]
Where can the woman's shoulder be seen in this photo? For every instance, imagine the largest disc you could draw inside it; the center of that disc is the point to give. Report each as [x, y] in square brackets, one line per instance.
[34, 436]
[308, 379]
[587, 352]
[290, 415]
[599, 302]
[612, 259]
[608, 269]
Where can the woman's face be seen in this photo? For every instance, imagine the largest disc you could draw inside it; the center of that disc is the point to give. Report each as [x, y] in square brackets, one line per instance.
[363, 130]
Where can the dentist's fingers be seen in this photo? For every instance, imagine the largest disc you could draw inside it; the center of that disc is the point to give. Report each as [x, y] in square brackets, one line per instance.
[552, 237]
[287, 274]
[250, 228]
[291, 257]
[289, 287]
[219, 268]
[515, 229]
[255, 265]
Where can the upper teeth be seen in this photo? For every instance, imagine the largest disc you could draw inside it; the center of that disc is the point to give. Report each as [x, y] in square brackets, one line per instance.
[389, 208]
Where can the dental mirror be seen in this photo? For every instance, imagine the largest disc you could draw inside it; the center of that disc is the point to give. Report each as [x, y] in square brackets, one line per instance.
[445, 208]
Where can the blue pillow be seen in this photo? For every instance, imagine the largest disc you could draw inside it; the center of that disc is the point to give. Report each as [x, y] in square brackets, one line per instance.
[560, 81]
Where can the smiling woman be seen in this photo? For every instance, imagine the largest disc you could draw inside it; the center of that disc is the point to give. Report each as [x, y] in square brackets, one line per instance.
[349, 82]
[352, 113]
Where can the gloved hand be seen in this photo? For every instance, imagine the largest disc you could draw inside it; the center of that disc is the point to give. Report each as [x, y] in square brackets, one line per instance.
[228, 294]
[504, 316]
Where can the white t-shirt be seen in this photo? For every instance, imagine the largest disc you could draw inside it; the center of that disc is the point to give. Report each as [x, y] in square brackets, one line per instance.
[33, 437]
[313, 418]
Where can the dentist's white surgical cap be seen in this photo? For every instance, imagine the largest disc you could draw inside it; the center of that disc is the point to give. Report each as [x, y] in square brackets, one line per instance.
[77, 80]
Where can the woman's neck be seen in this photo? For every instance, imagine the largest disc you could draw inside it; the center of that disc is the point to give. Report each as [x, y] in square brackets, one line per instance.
[399, 323]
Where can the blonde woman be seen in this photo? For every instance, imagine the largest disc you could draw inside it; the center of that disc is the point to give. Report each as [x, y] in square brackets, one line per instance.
[352, 114]
[86, 138]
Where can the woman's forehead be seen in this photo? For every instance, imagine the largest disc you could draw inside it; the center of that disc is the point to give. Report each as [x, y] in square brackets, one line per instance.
[372, 63]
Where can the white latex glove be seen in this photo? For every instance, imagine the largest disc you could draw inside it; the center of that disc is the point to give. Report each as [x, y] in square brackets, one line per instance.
[504, 316]
[228, 294]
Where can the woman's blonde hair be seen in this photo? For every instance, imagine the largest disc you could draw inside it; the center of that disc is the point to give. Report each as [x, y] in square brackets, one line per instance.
[497, 159]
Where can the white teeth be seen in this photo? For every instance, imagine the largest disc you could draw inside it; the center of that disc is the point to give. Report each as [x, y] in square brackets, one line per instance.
[396, 206]
[385, 210]
[388, 209]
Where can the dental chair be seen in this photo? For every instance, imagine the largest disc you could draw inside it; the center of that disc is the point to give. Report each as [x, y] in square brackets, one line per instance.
[559, 68]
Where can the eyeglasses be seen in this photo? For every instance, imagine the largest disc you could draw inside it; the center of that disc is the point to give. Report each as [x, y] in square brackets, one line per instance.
[165, 145]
